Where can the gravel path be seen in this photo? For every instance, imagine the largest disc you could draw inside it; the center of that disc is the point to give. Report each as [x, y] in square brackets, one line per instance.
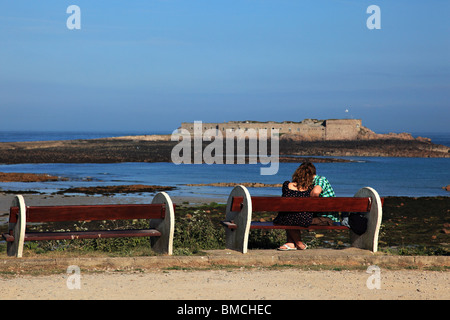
[240, 284]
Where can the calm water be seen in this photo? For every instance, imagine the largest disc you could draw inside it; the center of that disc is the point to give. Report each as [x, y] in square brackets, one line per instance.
[13, 136]
[389, 176]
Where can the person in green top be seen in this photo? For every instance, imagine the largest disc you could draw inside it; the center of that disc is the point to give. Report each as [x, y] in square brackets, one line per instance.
[322, 188]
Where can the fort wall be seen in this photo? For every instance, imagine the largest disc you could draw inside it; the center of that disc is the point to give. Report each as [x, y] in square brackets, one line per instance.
[342, 129]
[308, 129]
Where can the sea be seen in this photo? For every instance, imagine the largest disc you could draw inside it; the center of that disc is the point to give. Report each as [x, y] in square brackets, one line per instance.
[389, 176]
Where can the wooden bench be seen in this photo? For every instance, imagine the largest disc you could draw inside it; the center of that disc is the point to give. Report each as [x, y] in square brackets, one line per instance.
[160, 211]
[241, 205]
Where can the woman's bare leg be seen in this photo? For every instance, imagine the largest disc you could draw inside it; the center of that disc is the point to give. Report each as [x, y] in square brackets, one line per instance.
[295, 237]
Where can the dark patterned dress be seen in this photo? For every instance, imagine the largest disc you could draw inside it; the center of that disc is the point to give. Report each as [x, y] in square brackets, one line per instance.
[302, 219]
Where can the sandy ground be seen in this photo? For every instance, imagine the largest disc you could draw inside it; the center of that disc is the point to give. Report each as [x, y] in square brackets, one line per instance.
[240, 284]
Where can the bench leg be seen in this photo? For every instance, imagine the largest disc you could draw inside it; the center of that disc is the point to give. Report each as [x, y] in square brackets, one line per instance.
[369, 239]
[15, 248]
[166, 226]
[237, 239]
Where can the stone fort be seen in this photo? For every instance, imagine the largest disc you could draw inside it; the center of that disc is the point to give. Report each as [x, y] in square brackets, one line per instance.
[308, 129]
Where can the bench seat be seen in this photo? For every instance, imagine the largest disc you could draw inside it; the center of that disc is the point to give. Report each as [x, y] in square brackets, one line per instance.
[240, 207]
[160, 213]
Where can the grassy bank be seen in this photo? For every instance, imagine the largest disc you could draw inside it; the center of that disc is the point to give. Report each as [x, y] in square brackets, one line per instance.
[411, 226]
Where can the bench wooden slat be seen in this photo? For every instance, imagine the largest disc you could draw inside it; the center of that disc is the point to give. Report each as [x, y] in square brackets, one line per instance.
[38, 236]
[318, 204]
[7, 237]
[271, 226]
[94, 212]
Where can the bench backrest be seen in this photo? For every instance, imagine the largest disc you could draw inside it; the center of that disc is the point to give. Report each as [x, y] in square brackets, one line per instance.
[313, 204]
[90, 213]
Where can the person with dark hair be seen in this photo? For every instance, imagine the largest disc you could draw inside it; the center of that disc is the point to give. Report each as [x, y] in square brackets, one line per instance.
[305, 183]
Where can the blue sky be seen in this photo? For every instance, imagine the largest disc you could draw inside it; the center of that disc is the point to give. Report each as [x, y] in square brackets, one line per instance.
[149, 65]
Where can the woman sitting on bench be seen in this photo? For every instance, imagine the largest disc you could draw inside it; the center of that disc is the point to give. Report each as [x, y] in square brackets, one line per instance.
[302, 185]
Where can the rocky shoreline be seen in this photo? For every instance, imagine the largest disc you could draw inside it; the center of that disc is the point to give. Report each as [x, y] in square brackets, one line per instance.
[366, 148]
[159, 148]
[28, 177]
[111, 190]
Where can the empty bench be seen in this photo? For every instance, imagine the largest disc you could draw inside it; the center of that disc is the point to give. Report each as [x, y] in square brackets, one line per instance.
[241, 205]
[160, 212]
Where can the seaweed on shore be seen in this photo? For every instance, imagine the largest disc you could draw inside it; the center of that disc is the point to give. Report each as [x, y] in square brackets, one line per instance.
[109, 190]
[416, 222]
